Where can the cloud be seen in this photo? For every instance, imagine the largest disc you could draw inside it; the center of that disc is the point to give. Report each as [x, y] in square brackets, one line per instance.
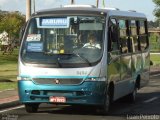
[8, 2]
[20, 5]
[13, 5]
[48, 4]
[2, 2]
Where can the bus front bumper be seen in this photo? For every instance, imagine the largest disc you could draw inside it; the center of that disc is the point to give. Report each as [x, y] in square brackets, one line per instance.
[86, 93]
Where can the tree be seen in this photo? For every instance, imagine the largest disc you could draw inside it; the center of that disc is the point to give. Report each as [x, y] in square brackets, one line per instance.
[11, 22]
[157, 9]
[153, 24]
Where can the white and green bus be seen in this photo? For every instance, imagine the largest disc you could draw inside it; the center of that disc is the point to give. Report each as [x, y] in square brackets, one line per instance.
[56, 67]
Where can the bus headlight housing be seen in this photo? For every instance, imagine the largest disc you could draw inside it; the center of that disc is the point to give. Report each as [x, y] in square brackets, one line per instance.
[23, 78]
[96, 79]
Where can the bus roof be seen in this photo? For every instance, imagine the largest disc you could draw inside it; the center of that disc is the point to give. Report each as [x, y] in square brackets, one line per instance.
[72, 10]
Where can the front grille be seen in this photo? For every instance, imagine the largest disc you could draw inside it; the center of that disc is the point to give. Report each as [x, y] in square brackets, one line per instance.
[58, 93]
[57, 81]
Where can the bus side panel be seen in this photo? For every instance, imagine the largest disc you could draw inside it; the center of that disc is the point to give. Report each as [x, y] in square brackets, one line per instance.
[136, 65]
[114, 70]
[126, 83]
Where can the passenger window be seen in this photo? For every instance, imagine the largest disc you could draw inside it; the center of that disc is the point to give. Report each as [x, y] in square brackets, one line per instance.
[143, 37]
[113, 35]
[123, 36]
[142, 27]
[133, 28]
[133, 36]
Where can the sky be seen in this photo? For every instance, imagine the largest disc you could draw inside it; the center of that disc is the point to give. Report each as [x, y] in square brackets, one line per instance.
[145, 6]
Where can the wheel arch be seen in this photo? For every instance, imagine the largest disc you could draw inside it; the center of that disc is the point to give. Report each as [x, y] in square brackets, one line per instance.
[138, 81]
[111, 91]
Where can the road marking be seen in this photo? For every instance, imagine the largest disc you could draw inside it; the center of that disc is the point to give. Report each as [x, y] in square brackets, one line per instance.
[150, 100]
[13, 108]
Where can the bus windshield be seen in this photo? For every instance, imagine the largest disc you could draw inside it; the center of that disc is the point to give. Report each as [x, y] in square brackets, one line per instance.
[64, 40]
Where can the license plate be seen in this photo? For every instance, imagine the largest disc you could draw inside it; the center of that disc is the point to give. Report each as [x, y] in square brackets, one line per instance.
[57, 99]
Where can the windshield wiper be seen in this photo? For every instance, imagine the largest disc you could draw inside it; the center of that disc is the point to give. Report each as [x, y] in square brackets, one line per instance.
[82, 57]
[76, 54]
[57, 58]
[58, 63]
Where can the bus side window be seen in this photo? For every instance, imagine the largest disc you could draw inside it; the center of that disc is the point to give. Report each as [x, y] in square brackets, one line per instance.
[124, 43]
[33, 27]
[133, 36]
[113, 35]
[143, 36]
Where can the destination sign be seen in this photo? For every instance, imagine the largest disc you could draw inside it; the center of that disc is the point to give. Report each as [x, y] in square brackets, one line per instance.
[55, 22]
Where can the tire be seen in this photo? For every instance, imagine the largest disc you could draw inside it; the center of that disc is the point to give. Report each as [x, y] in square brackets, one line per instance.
[106, 106]
[31, 108]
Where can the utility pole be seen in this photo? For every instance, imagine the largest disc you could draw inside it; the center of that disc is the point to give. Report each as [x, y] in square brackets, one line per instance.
[28, 9]
[72, 2]
[97, 3]
[33, 6]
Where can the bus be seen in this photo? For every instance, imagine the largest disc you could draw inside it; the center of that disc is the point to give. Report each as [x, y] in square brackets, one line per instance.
[56, 67]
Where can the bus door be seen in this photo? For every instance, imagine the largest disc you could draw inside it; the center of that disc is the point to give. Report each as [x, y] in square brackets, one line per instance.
[135, 48]
[144, 47]
[113, 52]
[123, 87]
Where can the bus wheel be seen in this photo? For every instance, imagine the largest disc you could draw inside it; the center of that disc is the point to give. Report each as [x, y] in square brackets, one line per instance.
[105, 108]
[32, 107]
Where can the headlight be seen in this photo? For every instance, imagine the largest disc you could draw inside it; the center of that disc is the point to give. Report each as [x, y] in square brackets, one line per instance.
[96, 79]
[23, 78]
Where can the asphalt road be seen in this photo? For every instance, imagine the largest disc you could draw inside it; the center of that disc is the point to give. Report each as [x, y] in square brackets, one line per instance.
[147, 107]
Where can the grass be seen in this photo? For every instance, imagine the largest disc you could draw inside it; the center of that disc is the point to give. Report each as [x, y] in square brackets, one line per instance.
[155, 58]
[8, 85]
[8, 70]
[154, 42]
[9, 58]
[8, 66]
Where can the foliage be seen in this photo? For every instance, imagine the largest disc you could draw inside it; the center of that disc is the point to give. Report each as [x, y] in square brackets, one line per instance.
[155, 58]
[157, 9]
[154, 24]
[154, 42]
[8, 85]
[11, 22]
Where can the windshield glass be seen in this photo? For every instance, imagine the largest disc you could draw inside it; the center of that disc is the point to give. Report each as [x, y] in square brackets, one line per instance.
[62, 41]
